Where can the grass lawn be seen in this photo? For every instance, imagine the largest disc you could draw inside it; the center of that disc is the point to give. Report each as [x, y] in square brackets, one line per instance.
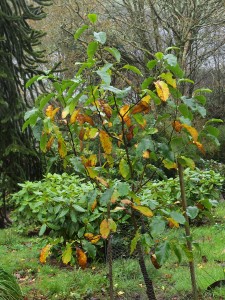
[20, 255]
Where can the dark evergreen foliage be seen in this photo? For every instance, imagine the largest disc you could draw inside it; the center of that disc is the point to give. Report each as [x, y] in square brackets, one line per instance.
[19, 60]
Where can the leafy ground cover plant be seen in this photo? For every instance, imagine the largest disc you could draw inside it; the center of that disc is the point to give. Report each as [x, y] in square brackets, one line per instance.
[111, 116]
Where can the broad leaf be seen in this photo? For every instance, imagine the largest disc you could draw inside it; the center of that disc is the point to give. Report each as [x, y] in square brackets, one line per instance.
[81, 257]
[105, 229]
[45, 252]
[100, 37]
[178, 217]
[133, 69]
[162, 90]
[134, 241]
[67, 254]
[124, 168]
[168, 77]
[79, 31]
[92, 48]
[62, 147]
[114, 52]
[192, 212]
[93, 18]
[105, 141]
[144, 210]
[162, 252]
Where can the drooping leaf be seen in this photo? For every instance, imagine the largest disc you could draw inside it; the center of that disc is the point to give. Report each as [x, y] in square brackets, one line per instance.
[133, 69]
[144, 210]
[193, 132]
[168, 164]
[177, 126]
[162, 90]
[62, 147]
[51, 112]
[45, 252]
[105, 141]
[92, 238]
[142, 106]
[114, 52]
[134, 241]
[67, 254]
[43, 142]
[154, 261]
[199, 146]
[124, 168]
[92, 48]
[81, 258]
[171, 59]
[162, 252]
[74, 116]
[151, 64]
[105, 229]
[106, 196]
[49, 143]
[186, 162]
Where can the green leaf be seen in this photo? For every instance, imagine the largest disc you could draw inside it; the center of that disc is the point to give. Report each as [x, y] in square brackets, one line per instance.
[183, 108]
[172, 48]
[104, 74]
[177, 252]
[212, 130]
[157, 226]
[80, 31]
[185, 80]
[162, 252]
[178, 217]
[30, 113]
[151, 64]
[67, 254]
[45, 100]
[106, 196]
[145, 144]
[133, 69]
[120, 93]
[112, 225]
[77, 165]
[114, 52]
[93, 18]
[201, 99]
[91, 49]
[63, 212]
[42, 229]
[123, 189]
[176, 70]
[145, 84]
[214, 121]
[43, 142]
[90, 248]
[155, 98]
[159, 55]
[170, 59]
[100, 37]
[78, 208]
[31, 81]
[203, 90]
[186, 162]
[192, 211]
[134, 241]
[73, 216]
[124, 168]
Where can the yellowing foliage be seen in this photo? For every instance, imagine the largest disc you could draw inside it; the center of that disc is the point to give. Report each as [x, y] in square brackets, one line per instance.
[45, 252]
[162, 90]
[81, 258]
[105, 141]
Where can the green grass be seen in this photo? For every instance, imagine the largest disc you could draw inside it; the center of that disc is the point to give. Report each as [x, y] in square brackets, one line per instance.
[19, 255]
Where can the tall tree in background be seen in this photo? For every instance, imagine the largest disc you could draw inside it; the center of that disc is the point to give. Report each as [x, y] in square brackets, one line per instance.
[19, 58]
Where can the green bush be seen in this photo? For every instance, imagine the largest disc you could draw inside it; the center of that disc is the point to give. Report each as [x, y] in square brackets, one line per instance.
[203, 191]
[63, 206]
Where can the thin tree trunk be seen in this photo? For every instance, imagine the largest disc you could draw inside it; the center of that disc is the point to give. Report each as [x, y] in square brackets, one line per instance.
[187, 232]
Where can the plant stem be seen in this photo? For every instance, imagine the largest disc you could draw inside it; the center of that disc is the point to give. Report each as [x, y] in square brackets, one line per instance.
[187, 232]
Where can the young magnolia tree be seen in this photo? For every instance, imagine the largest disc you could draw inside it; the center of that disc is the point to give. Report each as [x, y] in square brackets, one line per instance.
[109, 121]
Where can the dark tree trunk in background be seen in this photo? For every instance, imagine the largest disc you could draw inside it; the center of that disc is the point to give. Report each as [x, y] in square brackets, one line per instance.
[19, 159]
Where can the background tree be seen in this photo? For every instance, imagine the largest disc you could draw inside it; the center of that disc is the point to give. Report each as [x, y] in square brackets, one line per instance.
[19, 58]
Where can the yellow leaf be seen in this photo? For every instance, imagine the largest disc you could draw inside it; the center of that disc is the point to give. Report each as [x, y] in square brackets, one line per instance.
[105, 142]
[144, 210]
[92, 238]
[65, 112]
[162, 90]
[169, 164]
[94, 204]
[124, 114]
[62, 148]
[74, 116]
[168, 77]
[120, 293]
[146, 154]
[104, 229]
[92, 172]
[49, 143]
[114, 197]
[142, 106]
[82, 258]
[102, 181]
[106, 108]
[200, 147]
[50, 112]
[193, 132]
[45, 252]
[177, 126]
[93, 133]
[67, 254]
[173, 223]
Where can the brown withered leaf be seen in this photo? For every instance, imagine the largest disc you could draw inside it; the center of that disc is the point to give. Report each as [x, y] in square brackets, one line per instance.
[82, 258]
[154, 261]
[177, 126]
